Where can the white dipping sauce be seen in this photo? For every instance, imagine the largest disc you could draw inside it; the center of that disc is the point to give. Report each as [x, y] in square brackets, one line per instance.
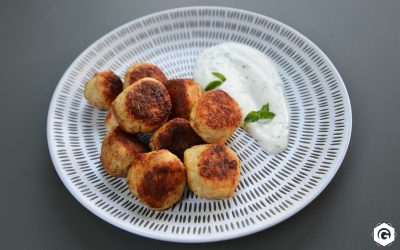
[252, 80]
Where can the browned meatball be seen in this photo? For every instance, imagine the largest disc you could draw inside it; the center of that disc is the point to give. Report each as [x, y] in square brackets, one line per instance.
[158, 179]
[142, 70]
[213, 170]
[142, 107]
[215, 116]
[176, 135]
[184, 95]
[102, 89]
[118, 150]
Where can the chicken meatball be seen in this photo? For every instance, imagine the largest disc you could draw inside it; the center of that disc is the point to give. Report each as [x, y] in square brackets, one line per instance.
[102, 89]
[184, 95]
[215, 116]
[176, 135]
[142, 70]
[110, 120]
[118, 150]
[213, 170]
[142, 107]
[158, 179]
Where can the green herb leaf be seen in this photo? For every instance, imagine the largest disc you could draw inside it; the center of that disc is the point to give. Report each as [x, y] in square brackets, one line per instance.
[216, 83]
[219, 76]
[262, 114]
[251, 117]
[213, 85]
[265, 113]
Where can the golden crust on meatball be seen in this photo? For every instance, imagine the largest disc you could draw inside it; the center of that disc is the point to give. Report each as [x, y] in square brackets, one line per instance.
[142, 70]
[118, 150]
[184, 95]
[176, 135]
[215, 116]
[142, 107]
[213, 170]
[158, 179]
[110, 120]
[102, 89]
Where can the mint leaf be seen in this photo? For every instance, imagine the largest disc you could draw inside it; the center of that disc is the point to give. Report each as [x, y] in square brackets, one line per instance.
[262, 114]
[213, 85]
[216, 83]
[265, 107]
[251, 117]
[219, 76]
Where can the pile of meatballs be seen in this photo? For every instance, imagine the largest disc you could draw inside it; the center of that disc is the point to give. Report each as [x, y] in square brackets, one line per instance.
[189, 129]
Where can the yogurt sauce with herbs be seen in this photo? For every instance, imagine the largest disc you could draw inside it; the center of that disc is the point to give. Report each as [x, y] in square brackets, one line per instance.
[253, 81]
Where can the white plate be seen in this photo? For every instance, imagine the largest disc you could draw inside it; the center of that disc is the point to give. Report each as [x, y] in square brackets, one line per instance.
[271, 189]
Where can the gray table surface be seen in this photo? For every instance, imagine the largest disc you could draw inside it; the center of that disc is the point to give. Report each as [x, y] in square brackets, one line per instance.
[39, 39]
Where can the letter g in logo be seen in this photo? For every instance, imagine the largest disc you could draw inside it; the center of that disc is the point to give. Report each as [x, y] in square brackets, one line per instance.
[384, 234]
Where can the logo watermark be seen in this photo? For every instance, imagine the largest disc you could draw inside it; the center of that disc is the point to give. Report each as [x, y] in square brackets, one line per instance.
[384, 234]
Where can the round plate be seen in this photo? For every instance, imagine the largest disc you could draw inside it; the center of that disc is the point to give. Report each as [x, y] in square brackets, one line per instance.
[271, 189]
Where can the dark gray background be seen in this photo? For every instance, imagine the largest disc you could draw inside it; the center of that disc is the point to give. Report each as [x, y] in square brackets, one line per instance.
[39, 39]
